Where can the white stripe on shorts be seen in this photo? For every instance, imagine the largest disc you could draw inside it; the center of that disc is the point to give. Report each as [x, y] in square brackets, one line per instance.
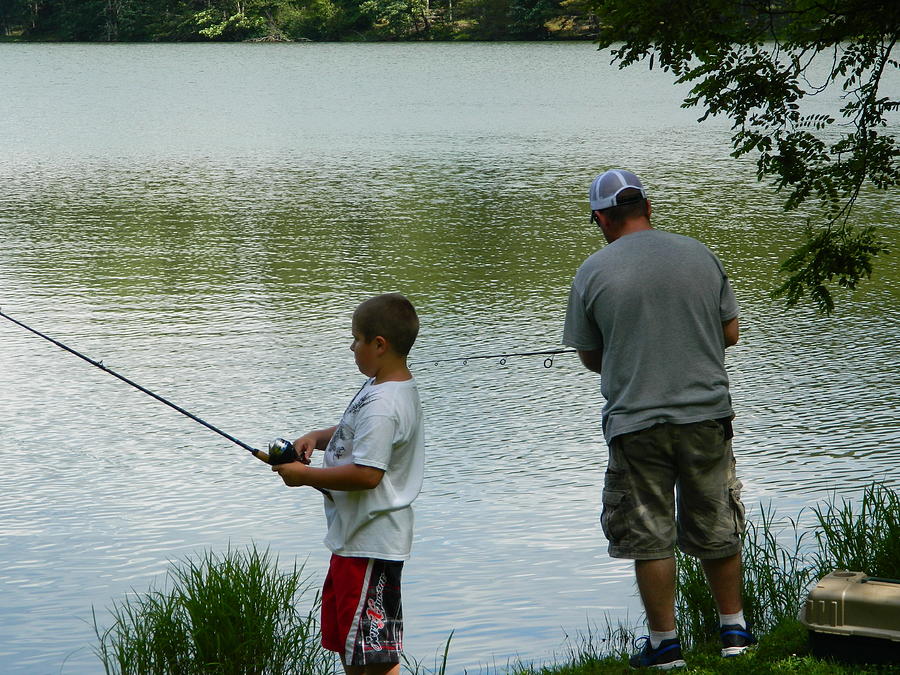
[353, 633]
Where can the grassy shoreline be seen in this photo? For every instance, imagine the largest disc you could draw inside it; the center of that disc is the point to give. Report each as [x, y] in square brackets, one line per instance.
[237, 613]
[777, 575]
[785, 649]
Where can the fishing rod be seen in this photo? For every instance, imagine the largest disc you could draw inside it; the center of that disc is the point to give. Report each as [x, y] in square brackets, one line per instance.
[280, 450]
[548, 362]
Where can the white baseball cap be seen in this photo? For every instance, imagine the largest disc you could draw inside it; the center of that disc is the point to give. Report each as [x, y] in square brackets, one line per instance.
[606, 188]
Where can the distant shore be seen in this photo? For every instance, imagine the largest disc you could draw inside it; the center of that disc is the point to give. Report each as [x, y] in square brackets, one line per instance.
[291, 21]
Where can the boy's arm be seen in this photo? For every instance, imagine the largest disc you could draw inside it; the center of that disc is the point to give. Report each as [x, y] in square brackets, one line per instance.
[347, 477]
[372, 441]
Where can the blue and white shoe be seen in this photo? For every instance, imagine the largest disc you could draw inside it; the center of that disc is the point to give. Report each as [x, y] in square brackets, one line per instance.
[735, 640]
[665, 657]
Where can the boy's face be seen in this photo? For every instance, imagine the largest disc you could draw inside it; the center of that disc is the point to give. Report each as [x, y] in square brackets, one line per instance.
[365, 353]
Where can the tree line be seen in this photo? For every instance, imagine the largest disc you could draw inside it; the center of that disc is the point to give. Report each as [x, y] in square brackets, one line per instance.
[294, 20]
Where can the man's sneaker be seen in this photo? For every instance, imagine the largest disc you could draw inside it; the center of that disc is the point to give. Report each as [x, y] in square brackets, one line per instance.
[735, 639]
[665, 657]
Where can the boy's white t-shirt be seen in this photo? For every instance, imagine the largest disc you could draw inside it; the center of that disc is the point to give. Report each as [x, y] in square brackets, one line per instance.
[382, 428]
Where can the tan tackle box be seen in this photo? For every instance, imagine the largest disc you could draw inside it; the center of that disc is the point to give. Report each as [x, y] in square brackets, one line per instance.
[852, 616]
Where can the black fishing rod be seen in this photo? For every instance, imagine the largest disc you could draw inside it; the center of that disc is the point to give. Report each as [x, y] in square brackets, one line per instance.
[280, 450]
[502, 358]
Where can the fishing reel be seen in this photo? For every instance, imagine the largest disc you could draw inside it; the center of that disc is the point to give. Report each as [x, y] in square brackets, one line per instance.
[282, 452]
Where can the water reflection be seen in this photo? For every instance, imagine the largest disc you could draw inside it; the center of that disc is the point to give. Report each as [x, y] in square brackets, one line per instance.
[220, 269]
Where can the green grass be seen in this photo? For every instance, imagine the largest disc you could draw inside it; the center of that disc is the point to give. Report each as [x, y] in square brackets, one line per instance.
[782, 651]
[237, 614]
[865, 539]
[227, 614]
[777, 576]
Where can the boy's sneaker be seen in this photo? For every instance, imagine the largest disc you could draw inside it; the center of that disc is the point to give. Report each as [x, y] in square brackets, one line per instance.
[735, 639]
[665, 657]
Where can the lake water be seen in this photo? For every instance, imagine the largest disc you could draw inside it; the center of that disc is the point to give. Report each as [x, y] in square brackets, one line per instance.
[204, 219]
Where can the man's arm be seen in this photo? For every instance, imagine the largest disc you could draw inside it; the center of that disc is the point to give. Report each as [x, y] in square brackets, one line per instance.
[731, 332]
[591, 359]
[346, 477]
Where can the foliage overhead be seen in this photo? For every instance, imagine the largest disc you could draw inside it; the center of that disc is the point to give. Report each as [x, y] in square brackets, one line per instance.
[762, 63]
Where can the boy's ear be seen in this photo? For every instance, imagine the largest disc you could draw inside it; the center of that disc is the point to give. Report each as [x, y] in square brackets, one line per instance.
[380, 343]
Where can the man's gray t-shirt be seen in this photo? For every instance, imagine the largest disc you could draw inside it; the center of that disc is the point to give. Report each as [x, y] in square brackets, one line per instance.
[654, 303]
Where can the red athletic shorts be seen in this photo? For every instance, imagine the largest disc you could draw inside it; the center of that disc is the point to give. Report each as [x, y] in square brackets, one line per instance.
[362, 618]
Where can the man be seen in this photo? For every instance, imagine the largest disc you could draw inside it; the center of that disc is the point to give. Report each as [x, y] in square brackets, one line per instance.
[653, 312]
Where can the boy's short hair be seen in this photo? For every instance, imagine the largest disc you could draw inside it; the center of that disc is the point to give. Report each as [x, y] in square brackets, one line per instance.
[391, 316]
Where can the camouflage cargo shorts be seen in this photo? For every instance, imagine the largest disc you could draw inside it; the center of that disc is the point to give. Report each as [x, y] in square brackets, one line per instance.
[647, 468]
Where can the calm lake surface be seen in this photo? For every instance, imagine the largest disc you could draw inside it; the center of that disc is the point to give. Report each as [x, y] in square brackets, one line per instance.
[204, 219]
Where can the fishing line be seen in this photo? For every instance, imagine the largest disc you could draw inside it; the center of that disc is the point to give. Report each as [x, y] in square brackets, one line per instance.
[502, 358]
[280, 451]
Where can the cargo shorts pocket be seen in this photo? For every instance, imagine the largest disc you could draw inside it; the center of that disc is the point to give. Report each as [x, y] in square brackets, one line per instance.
[614, 517]
[737, 506]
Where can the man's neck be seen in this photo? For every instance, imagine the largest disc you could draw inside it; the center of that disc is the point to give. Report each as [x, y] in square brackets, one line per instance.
[632, 226]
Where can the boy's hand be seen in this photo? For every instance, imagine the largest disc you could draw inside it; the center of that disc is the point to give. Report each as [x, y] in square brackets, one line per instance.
[346, 477]
[292, 473]
[304, 447]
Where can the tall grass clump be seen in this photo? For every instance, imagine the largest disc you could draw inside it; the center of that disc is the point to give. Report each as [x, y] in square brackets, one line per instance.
[777, 576]
[228, 614]
[863, 540]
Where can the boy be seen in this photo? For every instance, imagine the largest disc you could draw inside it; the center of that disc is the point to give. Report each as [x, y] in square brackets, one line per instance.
[373, 468]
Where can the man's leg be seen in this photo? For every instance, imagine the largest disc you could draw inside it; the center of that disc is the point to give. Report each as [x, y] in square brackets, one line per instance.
[724, 577]
[656, 584]
[639, 521]
[711, 523]
[638, 516]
